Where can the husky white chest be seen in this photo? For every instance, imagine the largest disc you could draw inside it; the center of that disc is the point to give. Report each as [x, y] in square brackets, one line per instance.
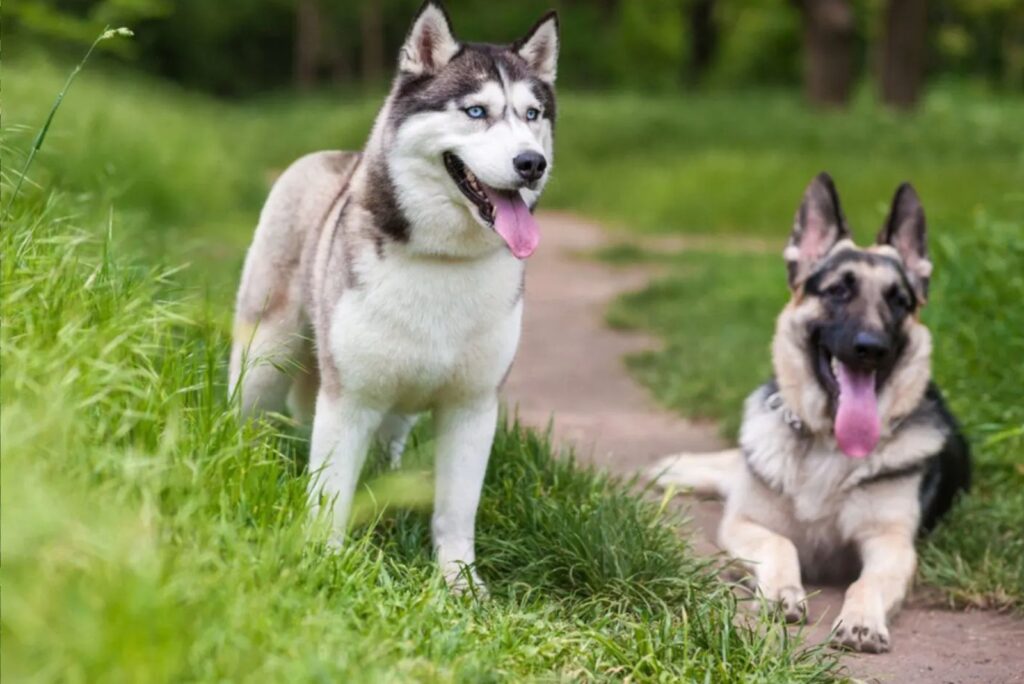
[422, 330]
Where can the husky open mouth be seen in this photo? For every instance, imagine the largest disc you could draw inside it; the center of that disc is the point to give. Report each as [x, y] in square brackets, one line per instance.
[503, 210]
[855, 397]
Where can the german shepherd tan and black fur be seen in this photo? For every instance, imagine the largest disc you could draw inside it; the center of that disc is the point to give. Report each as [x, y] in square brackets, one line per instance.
[392, 278]
[849, 452]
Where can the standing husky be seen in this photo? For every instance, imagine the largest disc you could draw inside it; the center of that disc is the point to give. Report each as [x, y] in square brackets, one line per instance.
[849, 452]
[389, 282]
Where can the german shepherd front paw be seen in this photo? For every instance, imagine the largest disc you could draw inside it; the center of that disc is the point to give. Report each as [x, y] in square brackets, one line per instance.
[792, 601]
[860, 631]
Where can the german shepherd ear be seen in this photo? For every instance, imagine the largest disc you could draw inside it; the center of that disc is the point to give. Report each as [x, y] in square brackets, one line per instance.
[818, 226]
[430, 44]
[905, 230]
[539, 47]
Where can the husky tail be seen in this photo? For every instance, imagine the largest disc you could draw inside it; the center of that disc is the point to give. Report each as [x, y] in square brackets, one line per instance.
[710, 474]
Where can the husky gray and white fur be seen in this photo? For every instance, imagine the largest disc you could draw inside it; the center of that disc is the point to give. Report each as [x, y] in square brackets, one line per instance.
[849, 452]
[384, 283]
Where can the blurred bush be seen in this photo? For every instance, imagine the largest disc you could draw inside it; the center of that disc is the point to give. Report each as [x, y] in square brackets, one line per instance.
[242, 47]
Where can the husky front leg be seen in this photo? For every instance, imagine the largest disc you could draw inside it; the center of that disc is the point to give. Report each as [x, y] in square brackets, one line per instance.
[342, 432]
[465, 436]
[888, 560]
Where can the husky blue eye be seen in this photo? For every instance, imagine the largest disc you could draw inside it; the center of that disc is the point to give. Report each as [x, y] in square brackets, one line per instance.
[476, 112]
[532, 114]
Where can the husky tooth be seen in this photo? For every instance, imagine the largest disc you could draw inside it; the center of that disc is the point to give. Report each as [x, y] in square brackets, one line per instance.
[396, 267]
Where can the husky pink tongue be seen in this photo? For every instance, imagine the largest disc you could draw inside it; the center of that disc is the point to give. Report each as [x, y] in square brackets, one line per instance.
[857, 422]
[514, 222]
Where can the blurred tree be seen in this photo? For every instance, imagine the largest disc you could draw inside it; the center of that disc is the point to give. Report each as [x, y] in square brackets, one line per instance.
[829, 31]
[903, 52]
[700, 17]
[371, 27]
[248, 46]
[759, 44]
[979, 37]
[308, 20]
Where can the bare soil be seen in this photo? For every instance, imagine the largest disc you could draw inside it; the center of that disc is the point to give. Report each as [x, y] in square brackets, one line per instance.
[570, 375]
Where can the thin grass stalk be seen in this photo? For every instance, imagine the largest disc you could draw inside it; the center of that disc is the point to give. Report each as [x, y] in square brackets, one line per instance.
[106, 34]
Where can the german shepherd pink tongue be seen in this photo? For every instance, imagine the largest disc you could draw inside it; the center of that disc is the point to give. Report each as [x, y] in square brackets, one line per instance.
[514, 222]
[857, 423]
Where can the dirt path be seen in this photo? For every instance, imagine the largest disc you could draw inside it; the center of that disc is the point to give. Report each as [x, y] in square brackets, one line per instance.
[570, 371]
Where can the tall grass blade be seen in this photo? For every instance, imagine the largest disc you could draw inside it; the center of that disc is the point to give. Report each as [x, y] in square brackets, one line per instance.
[107, 34]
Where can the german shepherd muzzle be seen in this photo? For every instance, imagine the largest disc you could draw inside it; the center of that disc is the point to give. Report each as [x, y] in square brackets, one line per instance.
[849, 452]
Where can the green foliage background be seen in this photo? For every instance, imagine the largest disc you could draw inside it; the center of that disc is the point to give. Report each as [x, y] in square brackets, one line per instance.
[235, 48]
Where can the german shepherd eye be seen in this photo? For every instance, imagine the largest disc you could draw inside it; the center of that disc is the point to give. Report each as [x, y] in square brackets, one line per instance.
[475, 112]
[532, 114]
[898, 301]
[842, 290]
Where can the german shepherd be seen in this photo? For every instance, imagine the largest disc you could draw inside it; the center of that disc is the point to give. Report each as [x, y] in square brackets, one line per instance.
[849, 453]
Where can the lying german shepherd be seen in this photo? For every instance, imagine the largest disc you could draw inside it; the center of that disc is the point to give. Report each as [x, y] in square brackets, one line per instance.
[849, 452]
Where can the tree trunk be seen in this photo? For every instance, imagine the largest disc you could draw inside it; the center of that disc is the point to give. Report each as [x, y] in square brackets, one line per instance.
[307, 43]
[608, 7]
[372, 35]
[829, 35]
[700, 17]
[903, 52]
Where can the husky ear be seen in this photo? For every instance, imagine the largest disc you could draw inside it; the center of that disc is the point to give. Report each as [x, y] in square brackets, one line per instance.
[906, 232]
[539, 47]
[430, 44]
[818, 226]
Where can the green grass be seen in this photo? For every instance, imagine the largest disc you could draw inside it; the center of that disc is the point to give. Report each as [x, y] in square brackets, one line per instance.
[148, 536]
[716, 313]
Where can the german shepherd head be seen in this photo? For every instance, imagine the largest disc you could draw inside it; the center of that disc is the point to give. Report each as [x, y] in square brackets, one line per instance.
[851, 355]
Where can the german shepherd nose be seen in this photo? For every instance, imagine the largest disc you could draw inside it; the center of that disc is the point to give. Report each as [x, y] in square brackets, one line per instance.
[870, 347]
[530, 166]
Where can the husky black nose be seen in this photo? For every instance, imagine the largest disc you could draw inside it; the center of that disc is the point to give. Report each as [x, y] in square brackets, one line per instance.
[530, 165]
[870, 347]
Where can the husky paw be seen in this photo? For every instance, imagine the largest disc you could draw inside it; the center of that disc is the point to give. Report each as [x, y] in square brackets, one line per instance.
[792, 601]
[858, 631]
[463, 580]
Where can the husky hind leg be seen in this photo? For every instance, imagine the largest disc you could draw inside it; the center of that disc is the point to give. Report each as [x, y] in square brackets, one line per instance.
[269, 340]
[265, 357]
[393, 434]
[305, 383]
[709, 474]
[272, 343]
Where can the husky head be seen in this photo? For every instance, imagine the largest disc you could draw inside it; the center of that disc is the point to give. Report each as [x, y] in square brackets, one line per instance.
[467, 135]
[850, 352]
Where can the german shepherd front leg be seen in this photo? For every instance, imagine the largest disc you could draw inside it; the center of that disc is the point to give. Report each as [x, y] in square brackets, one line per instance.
[889, 562]
[773, 560]
[465, 436]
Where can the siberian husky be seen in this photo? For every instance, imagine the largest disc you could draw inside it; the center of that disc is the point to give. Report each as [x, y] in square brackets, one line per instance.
[389, 282]
[849, 452]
